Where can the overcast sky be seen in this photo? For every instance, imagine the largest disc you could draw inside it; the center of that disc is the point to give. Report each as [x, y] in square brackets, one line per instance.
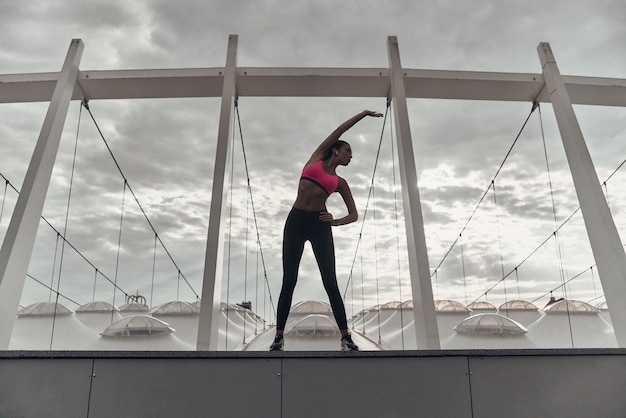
[166, 148]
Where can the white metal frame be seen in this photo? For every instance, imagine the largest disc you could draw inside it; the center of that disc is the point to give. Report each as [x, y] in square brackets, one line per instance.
[230, 81]
[19, 240]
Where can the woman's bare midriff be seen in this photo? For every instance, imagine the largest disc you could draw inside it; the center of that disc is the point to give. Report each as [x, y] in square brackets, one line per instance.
[311, 197]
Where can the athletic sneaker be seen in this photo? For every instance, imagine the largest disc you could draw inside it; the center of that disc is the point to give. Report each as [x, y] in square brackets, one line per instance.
[347, 344]
[278, 343]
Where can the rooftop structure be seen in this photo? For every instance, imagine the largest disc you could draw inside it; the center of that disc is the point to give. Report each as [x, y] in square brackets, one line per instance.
[395, 82]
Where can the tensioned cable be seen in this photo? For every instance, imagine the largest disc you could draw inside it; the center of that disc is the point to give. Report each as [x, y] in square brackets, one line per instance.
[397, 222]
[130, 189]
[593, 281]
[614, 171]
[51, 289]
[4, 197]
[66, 240]
[376, 266]
[514, 270]
[557, 241]
[546, 240]
[568, 281]
[369, 196]
[54, 266]
[245, 269]
[463, 268]
[556, 236]
[67, 214]
[562, 284]
[256, 225]
[590, 301]
[256, 288]
[119, 240]
[230, 234]
[534, 106]
[495, 203]
[606, 188]
[95, 280]
[153, 269]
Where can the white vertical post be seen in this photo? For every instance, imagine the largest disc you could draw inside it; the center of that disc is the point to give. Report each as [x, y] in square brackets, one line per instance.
[605, 241]
[426, 329]
[208, 324]
[19, 240]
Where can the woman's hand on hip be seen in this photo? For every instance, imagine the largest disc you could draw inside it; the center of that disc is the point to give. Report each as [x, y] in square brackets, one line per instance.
[327, 217]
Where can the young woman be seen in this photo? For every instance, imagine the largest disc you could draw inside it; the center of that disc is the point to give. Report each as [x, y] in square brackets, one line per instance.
[310, 221]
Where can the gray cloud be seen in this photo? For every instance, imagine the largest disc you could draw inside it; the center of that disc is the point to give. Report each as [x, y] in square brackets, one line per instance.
[166, 147]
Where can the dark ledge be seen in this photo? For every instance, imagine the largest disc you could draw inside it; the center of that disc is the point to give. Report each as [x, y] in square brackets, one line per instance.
[20, 354]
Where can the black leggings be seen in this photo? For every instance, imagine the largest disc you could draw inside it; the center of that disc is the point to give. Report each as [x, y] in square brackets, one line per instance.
[302, 226]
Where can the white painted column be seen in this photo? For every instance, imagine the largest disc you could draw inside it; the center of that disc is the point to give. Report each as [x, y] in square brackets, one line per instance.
[17, 247]
[423, 304]
[208, 325]
[605, 241]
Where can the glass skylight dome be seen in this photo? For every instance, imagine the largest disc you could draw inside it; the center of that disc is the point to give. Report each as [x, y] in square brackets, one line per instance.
[314, 324]
[391, 305]
[518, 305]
[447, 305]
[45, 309]
[97, 307]
[490, 324]
[137, 326]
[134, 307]
[311, 306]
[481, 306]
[571, 306]
[407, 304]
[176, 307]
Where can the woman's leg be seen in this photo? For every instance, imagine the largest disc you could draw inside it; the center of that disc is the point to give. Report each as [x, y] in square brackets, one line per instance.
[324, 250]
[293, 246]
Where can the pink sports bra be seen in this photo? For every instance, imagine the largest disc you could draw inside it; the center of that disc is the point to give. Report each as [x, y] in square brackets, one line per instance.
[315, 173]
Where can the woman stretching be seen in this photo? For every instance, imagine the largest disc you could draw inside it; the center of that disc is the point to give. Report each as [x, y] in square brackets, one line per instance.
[309, 221]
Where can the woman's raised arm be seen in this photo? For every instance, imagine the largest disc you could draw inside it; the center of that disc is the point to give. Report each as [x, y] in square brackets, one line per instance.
[328, 143]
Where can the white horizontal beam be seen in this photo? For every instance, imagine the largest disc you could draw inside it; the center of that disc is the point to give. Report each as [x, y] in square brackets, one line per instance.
[311, 82]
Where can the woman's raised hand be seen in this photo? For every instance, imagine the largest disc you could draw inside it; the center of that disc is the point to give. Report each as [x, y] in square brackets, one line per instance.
[373, 113]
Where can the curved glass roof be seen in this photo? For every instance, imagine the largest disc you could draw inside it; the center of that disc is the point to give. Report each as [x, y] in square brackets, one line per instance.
[448, 305]
[570, 306]
[97, 307]
[481, 305]
[45, 309]
[407, 304]
[176, 307]
[134, 307]
[490, 324]
[519, 305]
[391, 305]
[311, 306]
[137, 326]
[314, 324]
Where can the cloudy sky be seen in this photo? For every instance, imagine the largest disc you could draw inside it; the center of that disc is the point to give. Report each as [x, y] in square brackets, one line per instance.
[165, 149]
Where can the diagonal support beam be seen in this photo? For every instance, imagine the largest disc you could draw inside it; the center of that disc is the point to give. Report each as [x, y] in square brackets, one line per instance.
[208, 325]
[426, 329]
[605, 241]
[17, 247]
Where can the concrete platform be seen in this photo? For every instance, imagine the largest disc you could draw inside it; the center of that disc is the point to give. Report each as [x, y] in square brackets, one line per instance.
[459, 383]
